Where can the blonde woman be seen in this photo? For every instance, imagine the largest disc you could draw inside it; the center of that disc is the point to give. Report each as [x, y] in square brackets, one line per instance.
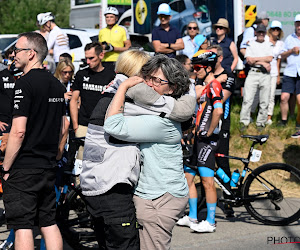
[64, 73]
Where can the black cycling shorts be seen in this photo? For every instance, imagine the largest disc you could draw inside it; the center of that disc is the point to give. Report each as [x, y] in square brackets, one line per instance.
[29, 198]
[206, 150]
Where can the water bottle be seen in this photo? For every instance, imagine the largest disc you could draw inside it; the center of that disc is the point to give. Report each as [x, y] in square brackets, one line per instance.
[220, 172]
[235, 178]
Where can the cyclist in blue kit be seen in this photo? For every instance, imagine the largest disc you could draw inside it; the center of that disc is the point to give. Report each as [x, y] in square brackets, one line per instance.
[206, 143]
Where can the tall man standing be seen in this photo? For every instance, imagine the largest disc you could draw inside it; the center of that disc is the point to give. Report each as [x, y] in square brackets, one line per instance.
[258, 55]
[57, 40]
[166, 39]
[114, 38]
[291, 75]
[88, 85]
[39, 107]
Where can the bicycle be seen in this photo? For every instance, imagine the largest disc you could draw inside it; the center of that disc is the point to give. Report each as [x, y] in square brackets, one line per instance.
[270, 193]
[72, 216]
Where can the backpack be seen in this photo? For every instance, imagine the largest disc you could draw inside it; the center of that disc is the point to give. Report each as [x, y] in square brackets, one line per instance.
[238, 45]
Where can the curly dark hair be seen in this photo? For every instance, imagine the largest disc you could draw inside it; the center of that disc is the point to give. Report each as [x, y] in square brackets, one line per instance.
[172, 69]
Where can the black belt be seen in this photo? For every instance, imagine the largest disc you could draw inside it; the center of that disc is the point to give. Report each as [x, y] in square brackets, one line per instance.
[256, 70]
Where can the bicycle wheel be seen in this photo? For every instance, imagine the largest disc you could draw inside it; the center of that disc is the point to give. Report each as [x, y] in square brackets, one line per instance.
[272, 194]
[77, 211]
[77, 228]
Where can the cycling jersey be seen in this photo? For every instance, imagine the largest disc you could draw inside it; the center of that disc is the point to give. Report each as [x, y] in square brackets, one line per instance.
[211, 95]
[116, 37]
[59, 42]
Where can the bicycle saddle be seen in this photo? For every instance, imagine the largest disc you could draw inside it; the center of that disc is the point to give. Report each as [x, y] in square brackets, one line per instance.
[257, 138]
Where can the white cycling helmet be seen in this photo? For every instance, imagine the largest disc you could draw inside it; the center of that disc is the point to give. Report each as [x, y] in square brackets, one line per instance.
[42, 18]
[111, 10]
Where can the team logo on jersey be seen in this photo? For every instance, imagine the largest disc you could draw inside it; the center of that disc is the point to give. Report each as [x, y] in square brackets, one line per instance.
[18, 91]
[5, 79]
[56, 99]
[93, 87]
[9, 85]
[86, 79]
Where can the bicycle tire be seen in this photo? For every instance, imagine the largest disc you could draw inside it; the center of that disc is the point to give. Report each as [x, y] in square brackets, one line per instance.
[77, 228]
[77, 208]
[278, 206]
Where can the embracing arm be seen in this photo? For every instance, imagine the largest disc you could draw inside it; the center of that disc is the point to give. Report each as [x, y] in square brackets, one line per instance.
[180, 109]
[135, 128]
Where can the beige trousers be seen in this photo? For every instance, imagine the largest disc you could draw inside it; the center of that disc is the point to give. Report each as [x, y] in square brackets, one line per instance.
[80, 132]
[157, 219]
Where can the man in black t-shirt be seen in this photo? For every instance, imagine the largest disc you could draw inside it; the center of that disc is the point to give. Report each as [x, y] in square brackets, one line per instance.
[30, 159]
[88, 85]
[7, 84]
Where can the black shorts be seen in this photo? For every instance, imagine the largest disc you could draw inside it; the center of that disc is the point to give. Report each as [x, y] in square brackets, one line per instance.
[206, 150]
[29, 198]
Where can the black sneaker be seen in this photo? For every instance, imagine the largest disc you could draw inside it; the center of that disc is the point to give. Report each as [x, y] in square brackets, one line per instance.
[282, 123]
[296, 135]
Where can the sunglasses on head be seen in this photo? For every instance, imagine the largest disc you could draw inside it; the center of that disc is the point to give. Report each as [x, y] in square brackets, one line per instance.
[197, 67]
[192, 28]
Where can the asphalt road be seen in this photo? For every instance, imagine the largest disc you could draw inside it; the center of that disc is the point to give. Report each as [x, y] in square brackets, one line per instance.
[241, 232]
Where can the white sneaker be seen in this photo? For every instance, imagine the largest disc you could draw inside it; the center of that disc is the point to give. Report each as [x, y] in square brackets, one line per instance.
[269, 122]
[186, 221]
[204, 227]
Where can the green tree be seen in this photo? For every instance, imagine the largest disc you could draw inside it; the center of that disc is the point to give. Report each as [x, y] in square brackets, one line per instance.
[17, 16]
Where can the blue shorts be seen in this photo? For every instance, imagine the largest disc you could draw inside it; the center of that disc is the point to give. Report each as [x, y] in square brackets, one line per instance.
[291, 85]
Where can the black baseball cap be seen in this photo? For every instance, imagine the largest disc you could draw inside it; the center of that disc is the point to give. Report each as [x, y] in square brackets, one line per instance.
[261, 28]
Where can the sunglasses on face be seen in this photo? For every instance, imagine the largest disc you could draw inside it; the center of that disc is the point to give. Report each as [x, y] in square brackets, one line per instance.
[219, 27]
[164, 16]
[276, 28]
[192, 28]
[67, 72]
[156, 81]
[197, 67]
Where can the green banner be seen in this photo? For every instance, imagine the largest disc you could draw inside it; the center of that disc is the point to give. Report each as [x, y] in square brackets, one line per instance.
[119, 2]
[81, 2]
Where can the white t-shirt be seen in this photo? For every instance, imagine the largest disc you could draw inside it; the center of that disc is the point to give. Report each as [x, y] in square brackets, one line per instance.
[256, 49]
[59, 42]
